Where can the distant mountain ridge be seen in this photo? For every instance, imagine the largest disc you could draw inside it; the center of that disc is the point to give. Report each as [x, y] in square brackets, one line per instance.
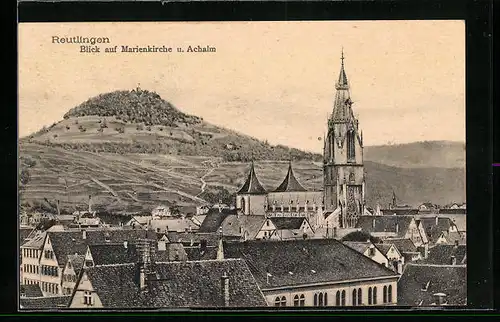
[426, 154]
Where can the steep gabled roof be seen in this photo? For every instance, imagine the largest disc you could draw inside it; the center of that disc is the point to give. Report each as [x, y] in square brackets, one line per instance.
[360, 247]
[36, 241]
[453, 211]
[404, 245]
[441, 254]
[173, 252]
[116, 285]
[384, 248]
[198, 284]
[249, 223]
[175, 284]
[76, 261]
[214, 219]
[299, 262]
[252, 184]
[105, 254]
[290, 183]
[69, 242]
[31, 290]
[399, 212]
[379, 224]
[195, 237]
[198, 253]
[45, 302]
[287, 222]
[419, 283]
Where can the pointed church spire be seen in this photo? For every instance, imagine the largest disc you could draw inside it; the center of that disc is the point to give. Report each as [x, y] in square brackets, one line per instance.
[252, 184]
[342, 83]
[290, 183]
[342, 103]
[393, 199]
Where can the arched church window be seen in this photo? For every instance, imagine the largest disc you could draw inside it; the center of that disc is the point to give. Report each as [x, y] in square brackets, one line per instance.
[351, 150]
[242, 204]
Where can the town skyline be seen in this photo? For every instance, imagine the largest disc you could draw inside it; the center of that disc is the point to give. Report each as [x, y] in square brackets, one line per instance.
[402, 96]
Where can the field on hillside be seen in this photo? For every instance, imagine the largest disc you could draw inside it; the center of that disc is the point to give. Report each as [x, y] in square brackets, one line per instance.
[138, 182]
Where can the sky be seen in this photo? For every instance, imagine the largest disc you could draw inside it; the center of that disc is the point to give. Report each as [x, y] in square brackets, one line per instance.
[271, 80]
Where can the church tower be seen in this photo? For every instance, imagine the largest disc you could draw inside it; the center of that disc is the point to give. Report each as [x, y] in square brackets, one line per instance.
[343, 172]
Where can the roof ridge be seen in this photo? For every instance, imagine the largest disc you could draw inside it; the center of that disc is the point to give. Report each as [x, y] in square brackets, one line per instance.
[110, 265]
[437, 265]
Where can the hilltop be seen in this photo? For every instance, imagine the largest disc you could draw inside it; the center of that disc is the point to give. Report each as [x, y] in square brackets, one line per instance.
[139, 121]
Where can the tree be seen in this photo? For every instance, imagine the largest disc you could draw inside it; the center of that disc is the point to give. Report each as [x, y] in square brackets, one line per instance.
[361, 236]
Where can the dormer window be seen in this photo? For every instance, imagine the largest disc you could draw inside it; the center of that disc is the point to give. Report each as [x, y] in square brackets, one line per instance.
[87, 298]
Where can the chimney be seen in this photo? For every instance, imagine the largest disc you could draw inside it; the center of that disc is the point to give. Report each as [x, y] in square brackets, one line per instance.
[90, 204]
[58, 209]
[84, 234]
[437, 220]
[373, 223]
[453, 260]
[399, 266]
[220, 250]
[203, 245]
[225, 289]
[397, 228]
[125, 244]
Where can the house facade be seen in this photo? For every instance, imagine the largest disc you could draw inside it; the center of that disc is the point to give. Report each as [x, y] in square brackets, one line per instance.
[369, 250]
[315, 272]
[31, 254]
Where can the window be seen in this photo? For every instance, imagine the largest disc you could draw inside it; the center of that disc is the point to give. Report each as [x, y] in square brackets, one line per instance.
[337, 298]
[370, 292]
[375, 295]
[87, 298]
[351, 150]
[296, 300]
[389, 294]
[326, 299]
[343, 298]
[315, 299]
[267, 223]
[283, 301]
[354, 297]
[320, 299]
[277, 301]
[360, 296]
[384, 294]
[372, 251]
[302, 300]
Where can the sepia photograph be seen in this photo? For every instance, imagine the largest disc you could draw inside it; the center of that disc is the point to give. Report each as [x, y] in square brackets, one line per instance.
[272, 165]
